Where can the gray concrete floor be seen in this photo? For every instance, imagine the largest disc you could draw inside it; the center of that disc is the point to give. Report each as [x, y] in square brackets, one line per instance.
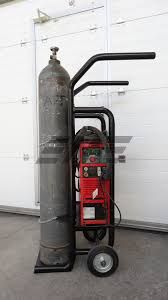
[142, 273]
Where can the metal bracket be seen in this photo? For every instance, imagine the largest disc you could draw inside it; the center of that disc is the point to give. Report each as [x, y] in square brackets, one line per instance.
[71, 2]
[26, 157]
[44, 39]
[121, 91]
[121, 158]
[24, 100]
[120, 21]
[93, 93]
[23, 43]
[42, 17]
[93, 28]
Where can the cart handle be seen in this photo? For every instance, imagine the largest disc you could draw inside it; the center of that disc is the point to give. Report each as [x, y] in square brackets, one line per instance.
[109, 56]
[106, 82]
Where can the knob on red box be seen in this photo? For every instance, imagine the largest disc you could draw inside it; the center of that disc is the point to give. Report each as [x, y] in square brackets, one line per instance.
[92, 159]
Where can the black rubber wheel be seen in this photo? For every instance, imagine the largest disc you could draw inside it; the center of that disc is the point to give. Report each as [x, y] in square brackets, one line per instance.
[93, 235]
[102, 261]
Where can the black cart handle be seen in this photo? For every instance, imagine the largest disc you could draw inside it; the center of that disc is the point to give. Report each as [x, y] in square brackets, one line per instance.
[109, 56]
[105, 82]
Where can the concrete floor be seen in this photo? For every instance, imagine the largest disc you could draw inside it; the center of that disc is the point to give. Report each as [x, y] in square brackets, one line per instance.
[142, 273]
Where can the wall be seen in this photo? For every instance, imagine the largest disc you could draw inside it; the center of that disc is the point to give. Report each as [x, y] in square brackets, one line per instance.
[80, 31]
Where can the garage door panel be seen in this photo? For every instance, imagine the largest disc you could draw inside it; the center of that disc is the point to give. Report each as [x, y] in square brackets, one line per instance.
[152, 145]
[16, 12]
[17, 183]
[74, 52]
[141, 187]
[62, 7]
[139, 73]
[145, 171]
[142, 115]
[71, 24]
[16, 71]
[17, 138]
[129, 126]
[145, 104]
[14, 34]
[147, 203]
[147, 148]
[130, 37]
[135, 9]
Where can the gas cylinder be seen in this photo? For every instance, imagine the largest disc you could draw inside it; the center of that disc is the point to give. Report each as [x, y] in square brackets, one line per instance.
[55, 227]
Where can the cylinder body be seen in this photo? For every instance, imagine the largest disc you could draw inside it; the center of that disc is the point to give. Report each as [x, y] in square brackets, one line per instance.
[55, 223]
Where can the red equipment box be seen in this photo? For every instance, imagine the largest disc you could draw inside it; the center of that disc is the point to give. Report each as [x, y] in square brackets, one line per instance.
[94, 191]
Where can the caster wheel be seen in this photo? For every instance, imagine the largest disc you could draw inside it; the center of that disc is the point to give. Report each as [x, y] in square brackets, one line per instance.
[93, 235]
[102, 261]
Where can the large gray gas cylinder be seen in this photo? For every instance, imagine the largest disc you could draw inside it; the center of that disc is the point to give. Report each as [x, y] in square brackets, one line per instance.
[55, 225]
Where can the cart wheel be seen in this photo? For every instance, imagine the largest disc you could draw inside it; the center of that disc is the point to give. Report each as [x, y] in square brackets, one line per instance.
[92, 235]
[102, 261]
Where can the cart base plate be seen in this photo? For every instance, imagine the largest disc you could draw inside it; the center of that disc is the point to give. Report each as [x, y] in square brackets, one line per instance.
[42, 268]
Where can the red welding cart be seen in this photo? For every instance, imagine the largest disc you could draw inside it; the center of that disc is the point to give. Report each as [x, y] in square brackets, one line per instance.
[94, 160]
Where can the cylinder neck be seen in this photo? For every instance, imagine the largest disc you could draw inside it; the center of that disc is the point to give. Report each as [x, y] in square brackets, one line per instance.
[54, 61]
[53, 56]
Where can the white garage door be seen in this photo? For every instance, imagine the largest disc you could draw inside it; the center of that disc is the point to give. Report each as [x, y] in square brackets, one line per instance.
[16, 115]
[141, 110]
